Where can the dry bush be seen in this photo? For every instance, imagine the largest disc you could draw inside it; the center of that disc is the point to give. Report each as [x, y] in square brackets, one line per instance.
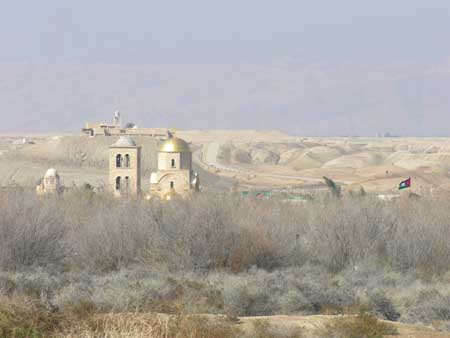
[290, 291]
[383, 307]
[247, 301]
[220, 232]
[32, 232]
[219, 252]
[363, 325]
[419, 242]
[342, 233]
[428, 306]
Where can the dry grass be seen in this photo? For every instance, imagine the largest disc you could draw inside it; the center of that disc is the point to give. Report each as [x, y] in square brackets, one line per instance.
[262, 328]
[24, 318]
[361, 326]
[151, 326]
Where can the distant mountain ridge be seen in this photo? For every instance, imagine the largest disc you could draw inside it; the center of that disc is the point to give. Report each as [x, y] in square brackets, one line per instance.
[304, 99]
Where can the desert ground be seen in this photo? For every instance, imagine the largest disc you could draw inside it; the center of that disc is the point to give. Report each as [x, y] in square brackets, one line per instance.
[310, 325]
[245, 159]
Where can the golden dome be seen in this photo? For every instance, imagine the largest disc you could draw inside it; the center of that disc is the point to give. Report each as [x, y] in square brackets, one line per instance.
[174, 145]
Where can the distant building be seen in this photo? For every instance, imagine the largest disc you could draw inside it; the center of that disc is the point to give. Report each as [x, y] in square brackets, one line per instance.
[115, 129]
[104, 129]
[174, 176]
[50, 184]
[125, 167]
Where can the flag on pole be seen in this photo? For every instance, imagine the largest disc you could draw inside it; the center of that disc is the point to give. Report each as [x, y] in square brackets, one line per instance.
[405, 184]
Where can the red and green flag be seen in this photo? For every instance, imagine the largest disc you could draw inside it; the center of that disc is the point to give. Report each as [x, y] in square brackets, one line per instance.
[405, 184]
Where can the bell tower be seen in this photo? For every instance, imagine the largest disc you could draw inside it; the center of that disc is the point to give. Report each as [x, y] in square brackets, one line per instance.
[125, 167]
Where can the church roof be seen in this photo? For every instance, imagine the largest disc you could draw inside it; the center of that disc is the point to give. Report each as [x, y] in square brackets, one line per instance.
[174, 145]
[125, 142]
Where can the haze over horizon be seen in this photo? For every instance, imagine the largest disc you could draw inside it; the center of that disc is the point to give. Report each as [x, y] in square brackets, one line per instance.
[322, 68]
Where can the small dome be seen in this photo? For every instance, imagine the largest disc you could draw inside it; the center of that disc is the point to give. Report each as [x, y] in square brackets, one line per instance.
[51, 173]
[125, 142]
[174, 145]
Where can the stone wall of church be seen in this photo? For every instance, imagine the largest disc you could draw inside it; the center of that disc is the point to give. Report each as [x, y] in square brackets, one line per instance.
[177, 181]
[169, 161]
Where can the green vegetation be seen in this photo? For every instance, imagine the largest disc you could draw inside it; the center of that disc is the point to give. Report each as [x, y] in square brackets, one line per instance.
[334, 188]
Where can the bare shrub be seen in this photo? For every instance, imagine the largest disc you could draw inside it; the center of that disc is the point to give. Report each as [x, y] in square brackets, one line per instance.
[343, 234]
[7, 284]
[419, 241]
[429, 305]
[37, 284]
[243, 300]
[294, 301]
[218, 252]
[383, 306]
[220, 231]
[32, 232]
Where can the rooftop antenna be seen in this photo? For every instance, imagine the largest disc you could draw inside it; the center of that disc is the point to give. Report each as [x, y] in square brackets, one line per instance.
[117, 120]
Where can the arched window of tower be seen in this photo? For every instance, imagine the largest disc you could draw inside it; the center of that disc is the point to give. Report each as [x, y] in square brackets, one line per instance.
[127, 161]
[119, 161]
[118, 183]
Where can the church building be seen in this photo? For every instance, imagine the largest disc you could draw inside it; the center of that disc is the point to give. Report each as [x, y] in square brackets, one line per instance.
[50, 184]
[174, 176]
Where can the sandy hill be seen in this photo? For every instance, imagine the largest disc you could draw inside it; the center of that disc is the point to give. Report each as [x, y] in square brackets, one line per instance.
[377, 164]
[249, 157]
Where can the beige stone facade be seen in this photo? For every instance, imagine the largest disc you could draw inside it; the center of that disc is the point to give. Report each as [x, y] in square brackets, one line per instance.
[125, 167]
[51, 184]
[174, 175]
[115, 129]
[103, 129]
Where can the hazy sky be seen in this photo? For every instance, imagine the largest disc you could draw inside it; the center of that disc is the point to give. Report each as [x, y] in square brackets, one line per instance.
[223, 31]
[315, 67]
